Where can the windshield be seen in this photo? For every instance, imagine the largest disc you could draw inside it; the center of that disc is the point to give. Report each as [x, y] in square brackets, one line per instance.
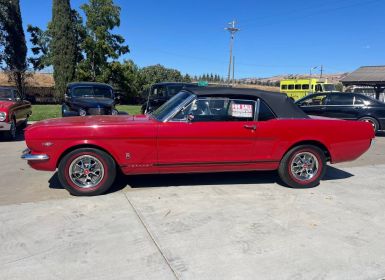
[171, 105]
[6, 94]
[329, 87]
[103, 92]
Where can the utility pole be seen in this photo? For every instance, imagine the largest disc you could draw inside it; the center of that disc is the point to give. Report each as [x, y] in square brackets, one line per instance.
[322, 70]
[233, 70]
[232, 29]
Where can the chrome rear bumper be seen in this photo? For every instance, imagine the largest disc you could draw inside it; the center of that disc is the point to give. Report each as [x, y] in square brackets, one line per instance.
[28, 156]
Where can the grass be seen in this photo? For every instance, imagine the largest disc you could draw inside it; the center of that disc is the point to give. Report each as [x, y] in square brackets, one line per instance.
[42, 112]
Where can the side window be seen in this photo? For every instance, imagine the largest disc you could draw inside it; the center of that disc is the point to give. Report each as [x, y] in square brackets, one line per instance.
[341, 99]
[297, 86]
[172, 90]
[318, 88]
[158, 92]
[291, 87]
[217, 109]
[305, 86]
[284, 87]
[358, 100]
[313, 101]
[264, 112]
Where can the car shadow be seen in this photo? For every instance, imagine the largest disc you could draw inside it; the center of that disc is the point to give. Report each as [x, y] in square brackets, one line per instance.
[181, 180]
[19, 137]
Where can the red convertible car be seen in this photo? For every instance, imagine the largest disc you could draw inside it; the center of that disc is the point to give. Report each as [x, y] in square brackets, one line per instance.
[14, 112]
[198, 130]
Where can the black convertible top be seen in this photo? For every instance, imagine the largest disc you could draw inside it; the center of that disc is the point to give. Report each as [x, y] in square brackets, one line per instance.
[282, 106]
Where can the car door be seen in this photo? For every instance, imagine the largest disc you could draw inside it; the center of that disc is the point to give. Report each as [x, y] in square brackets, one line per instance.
[211, 134]
[340, 106]
[314, 104]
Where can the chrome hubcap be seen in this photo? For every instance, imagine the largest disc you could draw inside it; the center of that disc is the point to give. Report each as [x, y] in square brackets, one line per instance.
[86, 171]
[304, 166]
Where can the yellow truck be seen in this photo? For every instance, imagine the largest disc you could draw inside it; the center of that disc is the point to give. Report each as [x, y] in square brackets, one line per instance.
[298, 88]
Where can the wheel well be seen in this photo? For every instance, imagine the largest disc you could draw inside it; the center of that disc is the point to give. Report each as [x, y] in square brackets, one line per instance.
[314, 143]
[84, 146]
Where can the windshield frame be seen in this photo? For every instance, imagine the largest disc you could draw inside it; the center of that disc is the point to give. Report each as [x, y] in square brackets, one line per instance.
[172, 110]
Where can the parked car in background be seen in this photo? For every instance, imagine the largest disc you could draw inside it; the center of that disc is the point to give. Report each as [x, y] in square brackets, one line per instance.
[84, 98]
[197, 130]
[14, 112]
[347, 106]
[159, 93]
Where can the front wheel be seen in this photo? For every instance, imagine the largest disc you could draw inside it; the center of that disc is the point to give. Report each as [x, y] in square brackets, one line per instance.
[87, 172]
[303, 166]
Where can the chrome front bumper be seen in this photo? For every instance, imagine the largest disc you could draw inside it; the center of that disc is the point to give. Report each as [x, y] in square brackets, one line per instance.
[28, 156]
[5, 126]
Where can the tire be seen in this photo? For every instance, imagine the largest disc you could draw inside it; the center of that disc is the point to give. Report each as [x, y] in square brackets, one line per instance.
[11, 134]
[25, 123]
[102, 169]
[372, 121]
[292, 164]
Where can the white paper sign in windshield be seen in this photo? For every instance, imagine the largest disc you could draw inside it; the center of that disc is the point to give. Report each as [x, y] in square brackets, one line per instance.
[242, 110]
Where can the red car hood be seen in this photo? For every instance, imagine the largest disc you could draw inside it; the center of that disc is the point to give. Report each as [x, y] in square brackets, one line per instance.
[5, 105]
[93, 120]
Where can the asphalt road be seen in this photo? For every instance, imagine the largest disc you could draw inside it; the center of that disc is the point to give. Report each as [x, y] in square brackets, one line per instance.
[210, 226]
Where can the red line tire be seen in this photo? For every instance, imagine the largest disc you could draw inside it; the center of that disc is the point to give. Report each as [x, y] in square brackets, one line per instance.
[303, 167]
[87, 172]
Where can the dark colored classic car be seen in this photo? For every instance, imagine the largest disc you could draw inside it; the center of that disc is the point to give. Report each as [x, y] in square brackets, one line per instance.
[82, 99]
[198, 130]
[159, 93]
[14, 112]
[347, 106]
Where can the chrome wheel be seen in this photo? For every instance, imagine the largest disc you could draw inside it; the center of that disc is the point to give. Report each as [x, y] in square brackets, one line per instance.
[86, 171]
[304, 166]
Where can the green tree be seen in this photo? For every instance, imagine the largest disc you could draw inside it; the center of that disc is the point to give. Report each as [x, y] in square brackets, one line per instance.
[158, 73]
[100, 46]
[41, 41]
[63, 46]
[14, 54]
[187, 78]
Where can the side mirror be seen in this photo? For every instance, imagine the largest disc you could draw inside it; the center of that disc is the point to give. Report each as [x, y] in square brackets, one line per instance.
[66, 97]
[190, 117]
[117, 99]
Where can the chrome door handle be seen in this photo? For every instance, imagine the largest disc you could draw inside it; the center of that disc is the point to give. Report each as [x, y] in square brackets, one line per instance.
[252, 127]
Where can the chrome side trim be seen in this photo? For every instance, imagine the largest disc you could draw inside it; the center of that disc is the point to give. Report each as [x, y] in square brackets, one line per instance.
[28, 156]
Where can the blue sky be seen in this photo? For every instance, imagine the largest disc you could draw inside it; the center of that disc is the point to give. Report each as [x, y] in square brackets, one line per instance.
[276, 37]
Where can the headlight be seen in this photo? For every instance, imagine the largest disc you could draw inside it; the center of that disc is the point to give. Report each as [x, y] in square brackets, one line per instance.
[114, 112]
[82, 112]
[3, 116]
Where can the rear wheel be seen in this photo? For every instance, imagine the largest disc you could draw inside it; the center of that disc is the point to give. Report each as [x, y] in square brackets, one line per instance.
[372, 121]
[87, 172]
[303, 166]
